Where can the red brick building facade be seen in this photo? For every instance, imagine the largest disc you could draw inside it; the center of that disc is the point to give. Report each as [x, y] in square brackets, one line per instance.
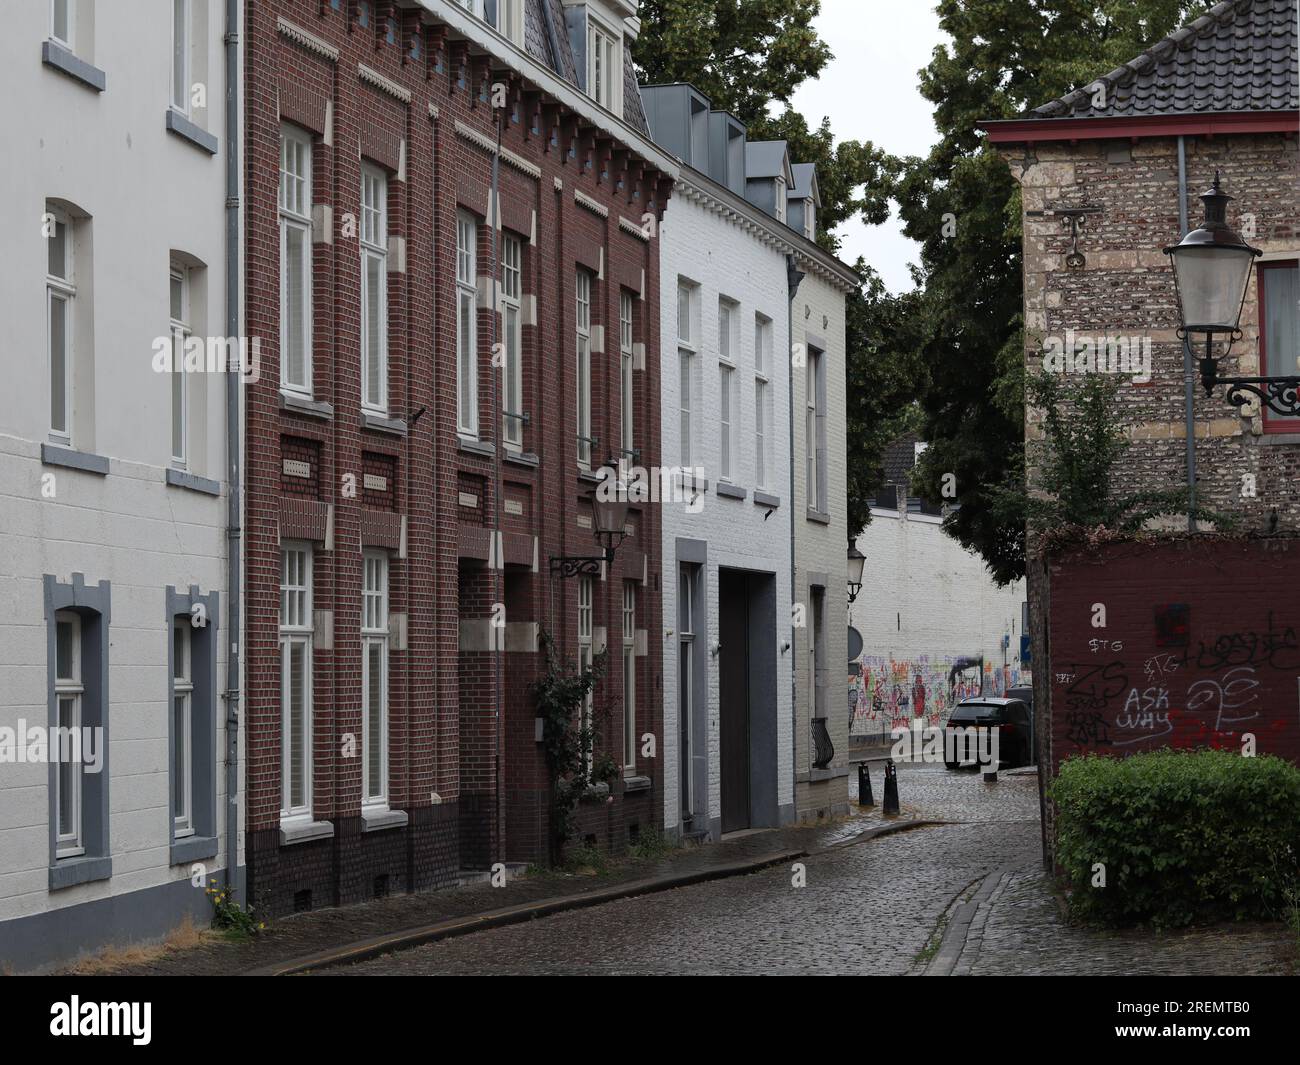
[414, 456]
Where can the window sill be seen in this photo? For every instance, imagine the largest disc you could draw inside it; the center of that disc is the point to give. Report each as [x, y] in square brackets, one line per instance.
[185, 129]
[815, 776]
[762, 499]
[727, 490]
[595, 793]
[473, 446]
[635, 783]
[381, 424]
[1268, 439]
[193, 849]
[522, 458]
[378, 818]
[192, 481]
[56, 57]
[588, 476]
[54, 455]
[304, 831]
[67, 872]
[302, 405]
[819, 516]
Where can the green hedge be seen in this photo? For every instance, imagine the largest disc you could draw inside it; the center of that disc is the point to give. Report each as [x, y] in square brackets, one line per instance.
[1185, 836]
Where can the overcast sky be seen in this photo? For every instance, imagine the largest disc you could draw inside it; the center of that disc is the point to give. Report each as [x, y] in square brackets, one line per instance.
[869, 91]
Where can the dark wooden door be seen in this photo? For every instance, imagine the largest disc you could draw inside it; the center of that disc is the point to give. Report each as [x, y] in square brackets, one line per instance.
[733, 692]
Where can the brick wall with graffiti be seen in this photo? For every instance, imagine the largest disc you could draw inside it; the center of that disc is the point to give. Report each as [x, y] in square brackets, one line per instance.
[1185, 643]
[891, 692]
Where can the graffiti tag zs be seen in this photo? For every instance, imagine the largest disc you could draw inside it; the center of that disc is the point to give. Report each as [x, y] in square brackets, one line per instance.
[1095, 686]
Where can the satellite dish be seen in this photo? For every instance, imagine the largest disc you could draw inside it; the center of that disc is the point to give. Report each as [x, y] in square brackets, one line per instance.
[855, 644]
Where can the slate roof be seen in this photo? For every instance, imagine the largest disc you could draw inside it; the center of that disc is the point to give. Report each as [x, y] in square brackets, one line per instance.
[1239, 56]
[766, 159]
[805, 182]
[537, 41]
[633, 111]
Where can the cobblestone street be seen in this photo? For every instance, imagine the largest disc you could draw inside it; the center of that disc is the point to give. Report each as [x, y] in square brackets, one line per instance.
[879, 906]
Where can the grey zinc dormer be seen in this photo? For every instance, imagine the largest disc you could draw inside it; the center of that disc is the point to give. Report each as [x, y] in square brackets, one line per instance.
[805, 200]
[727, 151]
[768, 177]
[678, 117]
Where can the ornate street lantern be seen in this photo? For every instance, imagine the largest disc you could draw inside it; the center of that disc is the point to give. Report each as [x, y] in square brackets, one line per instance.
[856, 561]
[609, 505]
[1212, 266]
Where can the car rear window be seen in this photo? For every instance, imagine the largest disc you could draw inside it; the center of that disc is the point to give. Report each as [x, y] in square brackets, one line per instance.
[967, 713]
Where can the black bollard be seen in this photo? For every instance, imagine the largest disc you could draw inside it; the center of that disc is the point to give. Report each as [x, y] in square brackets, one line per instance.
[864, 786]
[891, 788]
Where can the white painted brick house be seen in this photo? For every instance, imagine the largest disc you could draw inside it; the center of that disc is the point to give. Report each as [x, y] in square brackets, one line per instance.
[112, 474]
[728, 250]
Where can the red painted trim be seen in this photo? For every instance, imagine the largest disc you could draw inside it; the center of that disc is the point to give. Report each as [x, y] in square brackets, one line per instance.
[1273, 423]
[1033, 130]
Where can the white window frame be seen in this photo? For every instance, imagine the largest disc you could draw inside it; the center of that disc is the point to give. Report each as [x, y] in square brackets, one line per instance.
[296, 631]
[510, 20]
[69, 8]
[586, 631]
[726, 421]
[512, 370]
[466, 324]
[762, 362]
[183, 729]
[629, 676]
[374, 635]
[61, 290]
[374, 250]
[180, 333]
[815, 489]
[295, 214]
[582, 371]
[781, 189]
[626, 392]
[686, 350]
[182, 21]
[68, 844]
[604, 57]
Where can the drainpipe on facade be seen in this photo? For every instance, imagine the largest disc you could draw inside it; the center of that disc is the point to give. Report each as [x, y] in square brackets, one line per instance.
[499, 577]
[234, 476]
[793, 277]
[1188, 363]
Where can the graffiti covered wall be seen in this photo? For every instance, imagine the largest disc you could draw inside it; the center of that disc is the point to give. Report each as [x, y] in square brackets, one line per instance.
[1176, 644]
[890, 693]
[933, 625]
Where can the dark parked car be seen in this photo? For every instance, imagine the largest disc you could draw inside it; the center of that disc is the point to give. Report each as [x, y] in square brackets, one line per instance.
[1010, 717]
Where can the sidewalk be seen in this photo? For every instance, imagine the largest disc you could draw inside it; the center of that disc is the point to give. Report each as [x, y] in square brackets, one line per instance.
[354, 932]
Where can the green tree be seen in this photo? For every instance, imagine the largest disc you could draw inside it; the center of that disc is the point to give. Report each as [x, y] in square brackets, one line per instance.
[748, 57]
[884, 373]
[962, 206]
[1071, 493]
[742, 54]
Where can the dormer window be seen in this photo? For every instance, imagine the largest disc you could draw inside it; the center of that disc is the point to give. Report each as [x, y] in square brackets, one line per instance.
[809, 220]
[780, 199]
[604, 65]
[505, 16]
